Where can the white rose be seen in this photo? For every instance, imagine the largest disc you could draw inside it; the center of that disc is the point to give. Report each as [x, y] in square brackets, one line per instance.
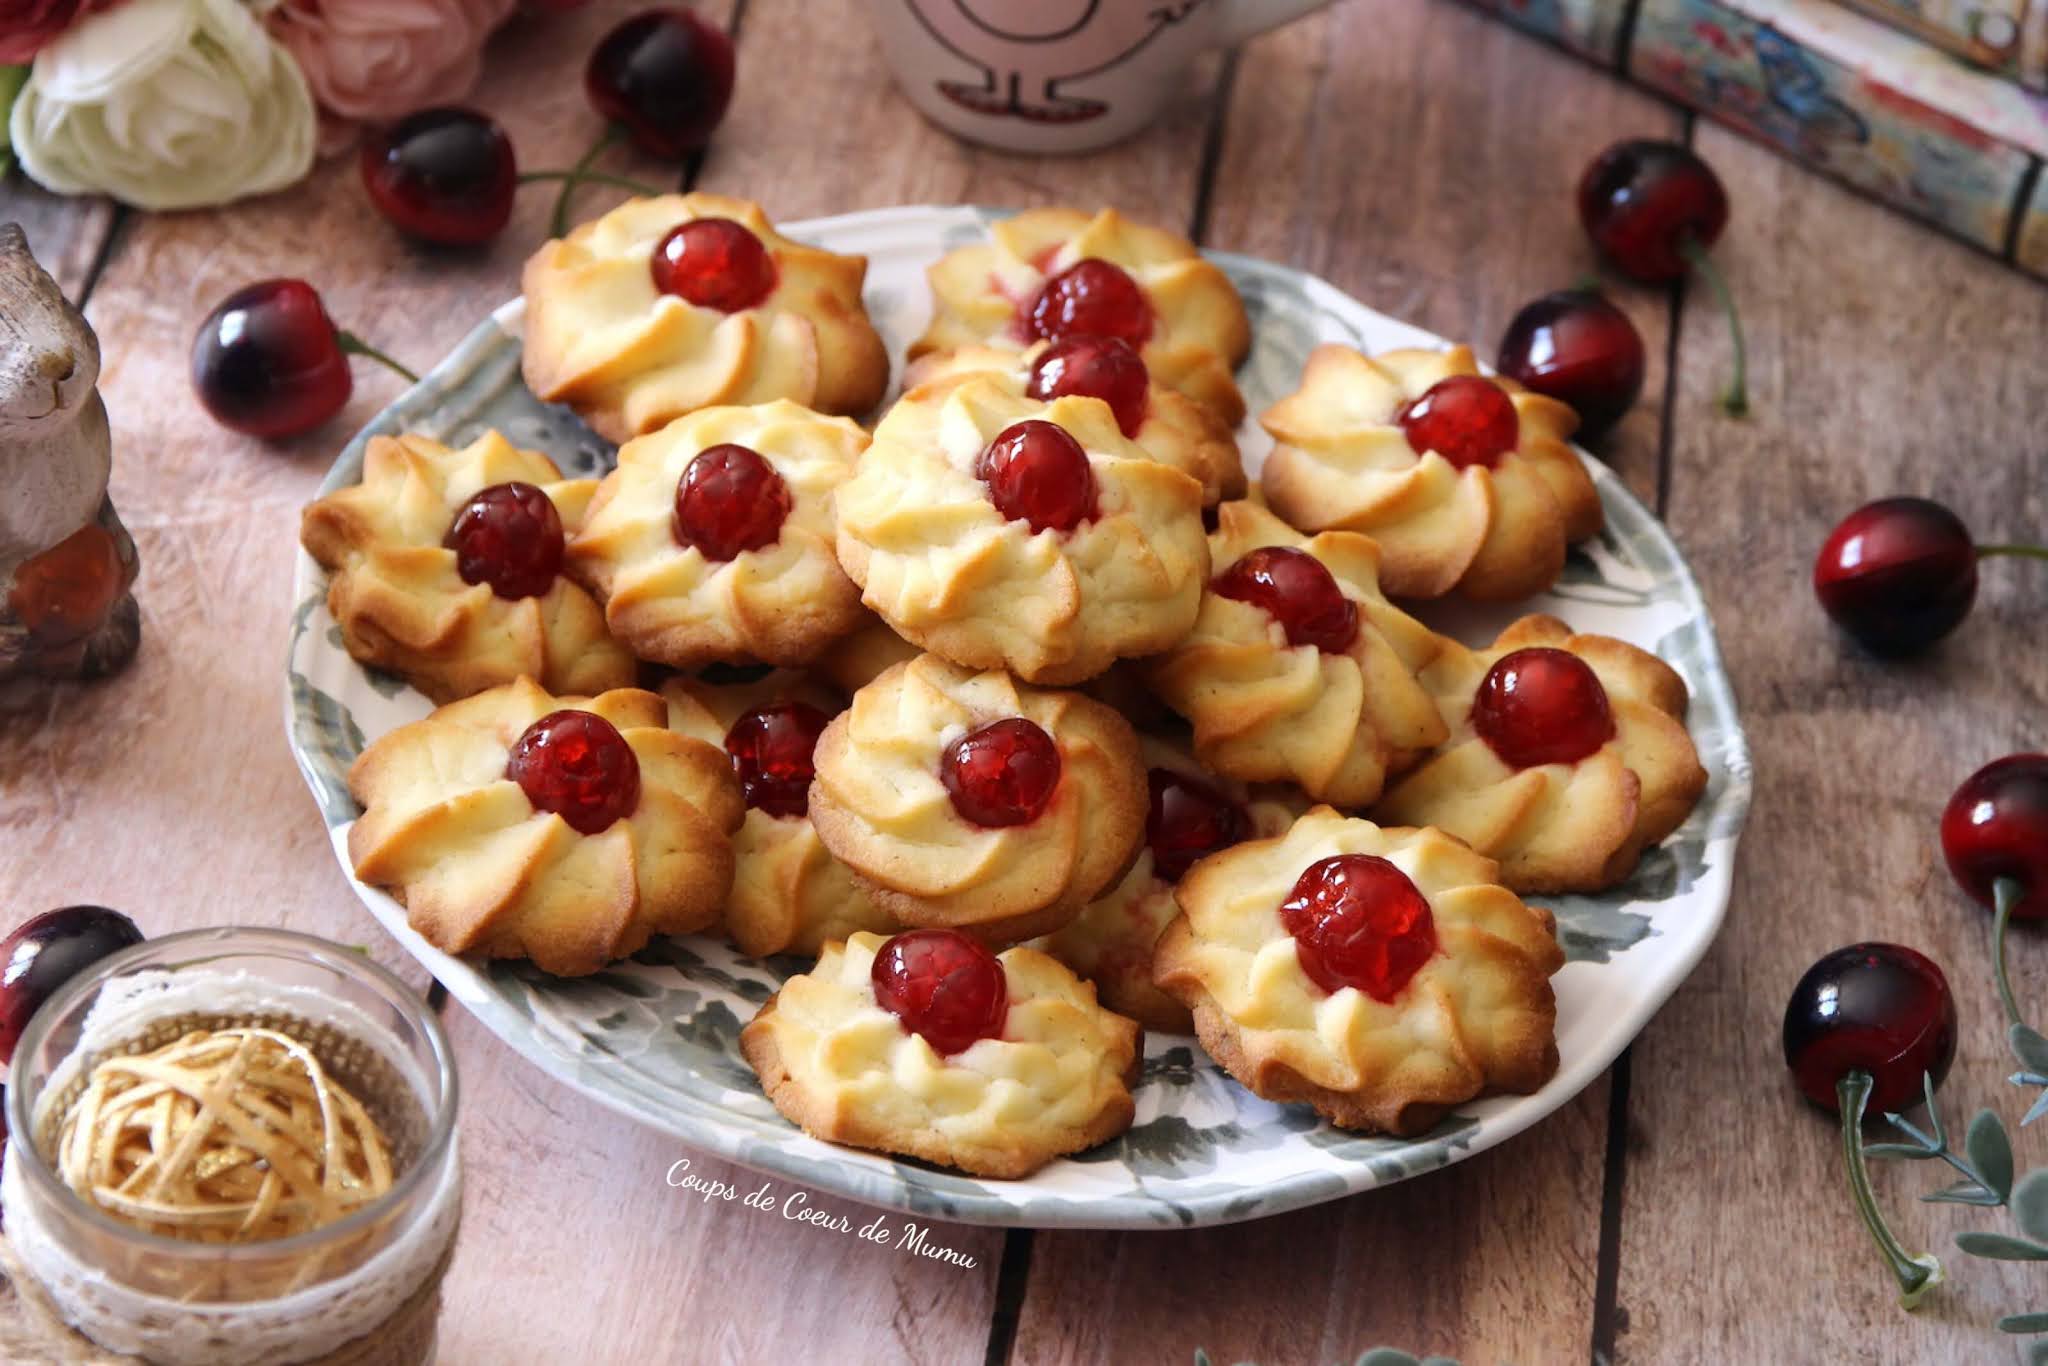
[166, 104]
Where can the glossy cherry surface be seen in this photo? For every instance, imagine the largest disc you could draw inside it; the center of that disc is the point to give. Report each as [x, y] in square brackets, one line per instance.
[47, 951]
[1897, 574]
[1542, 706]
[665, 76]
[771, 750]
[1095, 367]
[1883, 1009]
[944, 987]
[1578, 348]
[1642, 201]
[577, 765]
[730, 500]
[1188, 820]
[1001, 774]
[1358, 921]
[1038, 474]
[1089, 298]
[1292, 587]
[510, 537]
[445, 175]
[714, 263]
[1467, 419]
[1996, 826]
[268, 362]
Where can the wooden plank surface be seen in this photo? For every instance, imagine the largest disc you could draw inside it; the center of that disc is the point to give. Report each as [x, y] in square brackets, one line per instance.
[1421, 158]
[1885, 360]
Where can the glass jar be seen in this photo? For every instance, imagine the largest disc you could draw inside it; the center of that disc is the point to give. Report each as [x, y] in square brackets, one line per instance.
[368, 1280]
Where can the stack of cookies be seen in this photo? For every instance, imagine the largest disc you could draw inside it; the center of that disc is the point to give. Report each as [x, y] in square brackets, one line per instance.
[1022, 714]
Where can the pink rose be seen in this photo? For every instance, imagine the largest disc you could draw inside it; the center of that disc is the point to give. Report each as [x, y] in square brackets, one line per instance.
[25, 25]
[377, 60]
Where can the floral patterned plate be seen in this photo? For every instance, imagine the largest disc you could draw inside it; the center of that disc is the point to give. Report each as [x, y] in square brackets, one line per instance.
[656, 1038]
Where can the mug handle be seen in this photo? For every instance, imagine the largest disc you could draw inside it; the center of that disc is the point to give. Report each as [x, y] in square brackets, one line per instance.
[1242, 19]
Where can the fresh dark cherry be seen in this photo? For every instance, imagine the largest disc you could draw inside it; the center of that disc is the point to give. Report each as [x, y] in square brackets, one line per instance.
[943, 987]
[1897, 574]
[1579, 349]
[446, 176]
[1095, 367]
[714, 263]
[577, 765]
[1542, 706]
[1642, 202]
[1295, 589]
[729, 500]
[666, 77]
[1996, 826]
[510, 537]
[1467, 419]
[1001, 774]
[47, 951]
[1188, 820]
[771, 751]
[1089, 298]
[1358, 921]
[268, 362]
[1882, 1009]
[1037, 473]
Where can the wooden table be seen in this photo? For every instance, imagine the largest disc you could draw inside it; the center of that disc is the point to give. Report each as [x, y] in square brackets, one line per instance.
[1686, 1207]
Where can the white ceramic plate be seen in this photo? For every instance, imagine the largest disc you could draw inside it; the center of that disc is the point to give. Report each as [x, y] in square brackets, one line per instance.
[656, 1038]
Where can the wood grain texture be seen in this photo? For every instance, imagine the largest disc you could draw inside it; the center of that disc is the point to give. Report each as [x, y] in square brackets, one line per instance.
[568, 1206]
[1884, 360]
[66, 235]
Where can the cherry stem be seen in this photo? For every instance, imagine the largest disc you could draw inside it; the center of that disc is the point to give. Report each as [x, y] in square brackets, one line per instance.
[2005, 894]
[558, 222]
[1915, 1275]
[352, 345]
[1735, 401]
[2032, 552]
[589, 178]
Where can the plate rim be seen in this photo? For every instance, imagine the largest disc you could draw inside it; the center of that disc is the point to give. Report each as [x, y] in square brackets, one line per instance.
[1124, 1209]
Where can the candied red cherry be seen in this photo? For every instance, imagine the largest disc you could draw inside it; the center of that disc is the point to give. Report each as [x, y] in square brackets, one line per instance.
[1897, 574]
[1293, 587]
[510, 537]
[1089, 298]
[1578, 348]
[1542, 706]
[730, 500]
[771, 751]
[1358, 921]
[1095, 367]
[1188, 820]
[714, 263]
[269, 362]
[45, 952]
[944, 987]
[665, 76]
[1467, 419]
[577, 765]
[1037, 473]
[446, 176]
[1871, 1027]
[1002, 774]
[1652, 209]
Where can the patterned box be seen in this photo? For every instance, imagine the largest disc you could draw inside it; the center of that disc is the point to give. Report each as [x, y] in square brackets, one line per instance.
[2006, 36]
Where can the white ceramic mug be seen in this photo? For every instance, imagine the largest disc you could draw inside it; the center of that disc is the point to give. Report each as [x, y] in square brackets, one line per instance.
[1057, 75]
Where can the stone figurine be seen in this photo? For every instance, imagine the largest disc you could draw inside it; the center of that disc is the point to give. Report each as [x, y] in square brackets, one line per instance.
[66, 562]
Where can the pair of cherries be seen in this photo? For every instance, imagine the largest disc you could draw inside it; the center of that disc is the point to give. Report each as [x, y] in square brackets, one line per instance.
[1869, 1027]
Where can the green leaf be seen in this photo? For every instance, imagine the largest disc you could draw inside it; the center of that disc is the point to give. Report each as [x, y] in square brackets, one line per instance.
[1991, 1153]
[1965, 1192]
[2028, 1079]
[1999, 1248]
[1201, 1357]
[2029, 1047]
[2035, 1111]
[2023, 1323]
[2037, 1354]
[1912, 1152]
[2030, 1203]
